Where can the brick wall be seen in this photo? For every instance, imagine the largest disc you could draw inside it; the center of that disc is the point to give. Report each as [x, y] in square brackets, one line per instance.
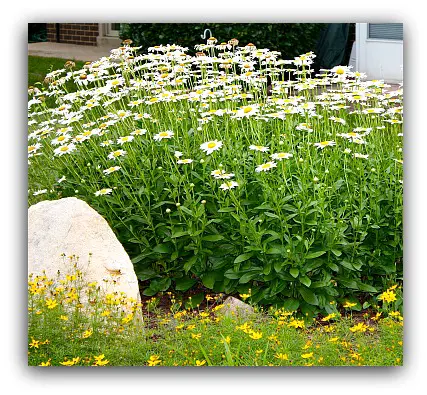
[73, 33]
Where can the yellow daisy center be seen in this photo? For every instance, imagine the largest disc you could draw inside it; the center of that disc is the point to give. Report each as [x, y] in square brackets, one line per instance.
[247, 109]
[211, 145]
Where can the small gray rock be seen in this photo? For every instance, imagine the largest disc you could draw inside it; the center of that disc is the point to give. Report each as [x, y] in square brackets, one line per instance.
[235, 307]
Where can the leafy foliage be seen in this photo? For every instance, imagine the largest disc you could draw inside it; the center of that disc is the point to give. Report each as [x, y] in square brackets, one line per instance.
[322, 224]
[291, 39]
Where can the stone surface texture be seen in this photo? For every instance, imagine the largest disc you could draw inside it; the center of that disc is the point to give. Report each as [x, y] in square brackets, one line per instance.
[70, 226]
[235, 307]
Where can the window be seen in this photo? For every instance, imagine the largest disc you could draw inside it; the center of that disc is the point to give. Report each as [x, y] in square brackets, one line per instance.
[113, 29]
[385, 31]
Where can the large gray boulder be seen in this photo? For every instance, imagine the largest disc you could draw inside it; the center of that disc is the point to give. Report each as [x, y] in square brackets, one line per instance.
[68, 227]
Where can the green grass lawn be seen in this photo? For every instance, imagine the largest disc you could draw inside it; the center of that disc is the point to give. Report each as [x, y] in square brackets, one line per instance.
[38, 67]
[62, 331]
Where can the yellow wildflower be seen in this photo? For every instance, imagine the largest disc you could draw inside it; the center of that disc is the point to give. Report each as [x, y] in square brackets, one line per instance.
[200, 363]
[87, 333]
[296, 323]
[329, 317]
[306, 356]
[387, 296]
[51, 303]
[34, 343]
[255, 335]
[360, 327]
[281, 356]
[154, 360]
[100, 361]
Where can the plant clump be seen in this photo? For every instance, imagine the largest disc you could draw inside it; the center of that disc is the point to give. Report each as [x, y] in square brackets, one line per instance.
[232, 169]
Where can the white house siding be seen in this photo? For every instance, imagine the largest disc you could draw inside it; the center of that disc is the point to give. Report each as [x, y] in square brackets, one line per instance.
[379, 58]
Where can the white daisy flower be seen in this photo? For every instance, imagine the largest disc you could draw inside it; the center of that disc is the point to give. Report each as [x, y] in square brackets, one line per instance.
[229, 185]
[184, 161]
[61, 179]
[62, 139]
[247, 111]
[115, 154]
[111, 169]
[163, 135]
[124, 139]
[357, 155]
[104, 191]
[177, 154]
[106, 143]
[39, 192]
[324, 144]
[225, 176]
[139, 132]
[33, 148]
[211, 146]
[281, 155]
[265, 166]
[217, 173]
[259, 148]
[64, 149]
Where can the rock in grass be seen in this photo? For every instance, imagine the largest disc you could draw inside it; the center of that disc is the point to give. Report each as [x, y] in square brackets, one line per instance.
[60, 229]
[235, 307]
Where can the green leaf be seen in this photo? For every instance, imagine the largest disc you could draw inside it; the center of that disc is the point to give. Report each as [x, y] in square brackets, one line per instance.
[186, 210]
[208, 280]
[290, 304]
[248, 276]
[336, 252]
[226, 210]
[163, 248]
[179, 234]
[333, 266]
[231, 274]
[305, 280]
[274, 251]
[278, 266]
[315, 255]
[294, 272]
[347, 265]
[212, 238]
[145, 274]
[244, 257]
[271, 215]
[189, 264]
[267, 268]
[349, 283]
[149, 292]
[367, 288]
[308, 296]
[184, 283]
